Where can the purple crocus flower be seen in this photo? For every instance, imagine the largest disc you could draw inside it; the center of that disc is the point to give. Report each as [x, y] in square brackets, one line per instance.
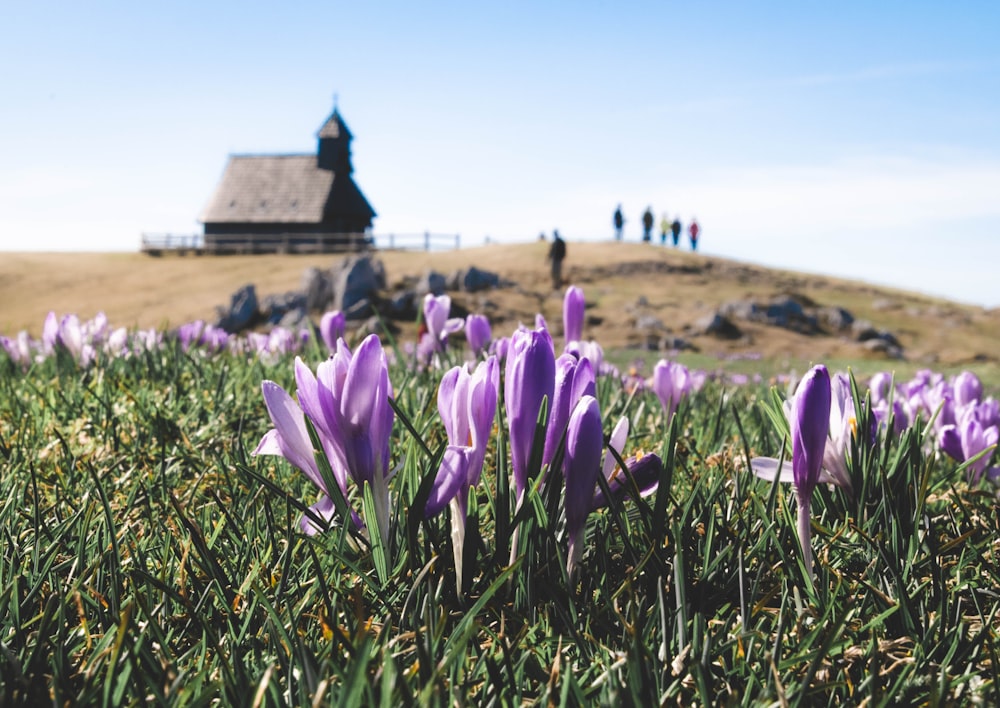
[279, 342]
[50, 333]
[589, 350]
[290, 439]
[214, 339]
[146, 340]
[530, 377]
[96, 329]
[354, 396]
[21, 348]
[477, 333]
[880, 386]
[116, 344]
[584, 439]
[499, 348]
[671, 383]
[467, 404]
[439, 326]
[887, 401]
[189, 334]
[574, 379]
[644, 469]
[573, 306]
[987, 412]
[331, 328]
[72, 336]
[977, 440]
[968, 438]
[809, 422]
[843, 425]
[348, 403]
[966, 389]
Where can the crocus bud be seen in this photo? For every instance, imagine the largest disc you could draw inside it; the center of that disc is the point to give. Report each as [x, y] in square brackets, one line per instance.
[439, 326]
[574, 379]
[573, 304]
[810, 425]
[671, 382]
[331, 328]
[582, 464]
[530, 377]
[967, 389]
[477, 332]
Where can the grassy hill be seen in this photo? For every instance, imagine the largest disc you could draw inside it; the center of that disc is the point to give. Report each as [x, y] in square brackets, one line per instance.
[624, 283]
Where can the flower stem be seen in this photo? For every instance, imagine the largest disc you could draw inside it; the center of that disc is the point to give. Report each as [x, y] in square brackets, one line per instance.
[804, 503]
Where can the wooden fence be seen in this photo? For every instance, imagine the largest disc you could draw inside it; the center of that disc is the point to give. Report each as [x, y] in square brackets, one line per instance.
[224, 244]
[418, 242]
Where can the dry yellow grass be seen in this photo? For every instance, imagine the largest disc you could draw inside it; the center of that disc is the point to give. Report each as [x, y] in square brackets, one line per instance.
[677, 287]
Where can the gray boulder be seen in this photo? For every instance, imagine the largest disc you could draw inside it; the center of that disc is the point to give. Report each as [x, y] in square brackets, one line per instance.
[740, 309]
[676, 344]
[785, 312]
[788, 313]
[273, 308]
[357, 278]
[836, 318]
[875, 340]
[360, 310]
[473, 280]
[431, 282]
[718, 325]
[649, 323]
[242, 311]
[317, 287]
[294, 318]
[402, 306]
[881, 346]
[864, 332]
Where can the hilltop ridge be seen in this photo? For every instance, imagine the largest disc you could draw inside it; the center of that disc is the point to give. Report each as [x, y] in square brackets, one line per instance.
[638, 295]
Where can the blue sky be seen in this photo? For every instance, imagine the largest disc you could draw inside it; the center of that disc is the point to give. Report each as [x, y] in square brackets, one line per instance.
[855, 139]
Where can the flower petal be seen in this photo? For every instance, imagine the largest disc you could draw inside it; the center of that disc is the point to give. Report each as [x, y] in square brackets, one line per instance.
[451, 479]
[768, 468]
[324, 509]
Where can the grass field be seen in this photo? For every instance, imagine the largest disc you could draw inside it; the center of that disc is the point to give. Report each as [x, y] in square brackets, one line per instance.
[150, 558]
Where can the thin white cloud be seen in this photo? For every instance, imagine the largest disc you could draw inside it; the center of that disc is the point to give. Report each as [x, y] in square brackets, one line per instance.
[875, 73]
[880, 192]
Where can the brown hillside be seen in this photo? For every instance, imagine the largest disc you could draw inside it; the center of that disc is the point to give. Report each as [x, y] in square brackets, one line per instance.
[623, 283]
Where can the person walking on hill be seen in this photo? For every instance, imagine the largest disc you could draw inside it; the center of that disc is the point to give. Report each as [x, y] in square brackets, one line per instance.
[557, 252]
[647, 225]
[693, 231]
[675, 231]
[664, 229]
[619, 222]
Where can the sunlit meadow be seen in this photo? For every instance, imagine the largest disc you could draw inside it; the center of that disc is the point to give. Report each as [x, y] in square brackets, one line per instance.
[488, 518]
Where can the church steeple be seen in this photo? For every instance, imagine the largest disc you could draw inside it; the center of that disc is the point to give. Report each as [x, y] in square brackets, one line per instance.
[334, 151]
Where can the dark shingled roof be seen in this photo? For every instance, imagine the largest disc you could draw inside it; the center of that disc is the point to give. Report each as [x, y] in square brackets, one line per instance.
[270, 189]
[315, 189]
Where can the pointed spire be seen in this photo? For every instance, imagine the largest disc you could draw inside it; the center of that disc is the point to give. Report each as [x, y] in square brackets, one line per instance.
[334, 151]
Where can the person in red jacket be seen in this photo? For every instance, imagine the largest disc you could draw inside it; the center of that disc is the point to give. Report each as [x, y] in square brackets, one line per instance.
[693, 231]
